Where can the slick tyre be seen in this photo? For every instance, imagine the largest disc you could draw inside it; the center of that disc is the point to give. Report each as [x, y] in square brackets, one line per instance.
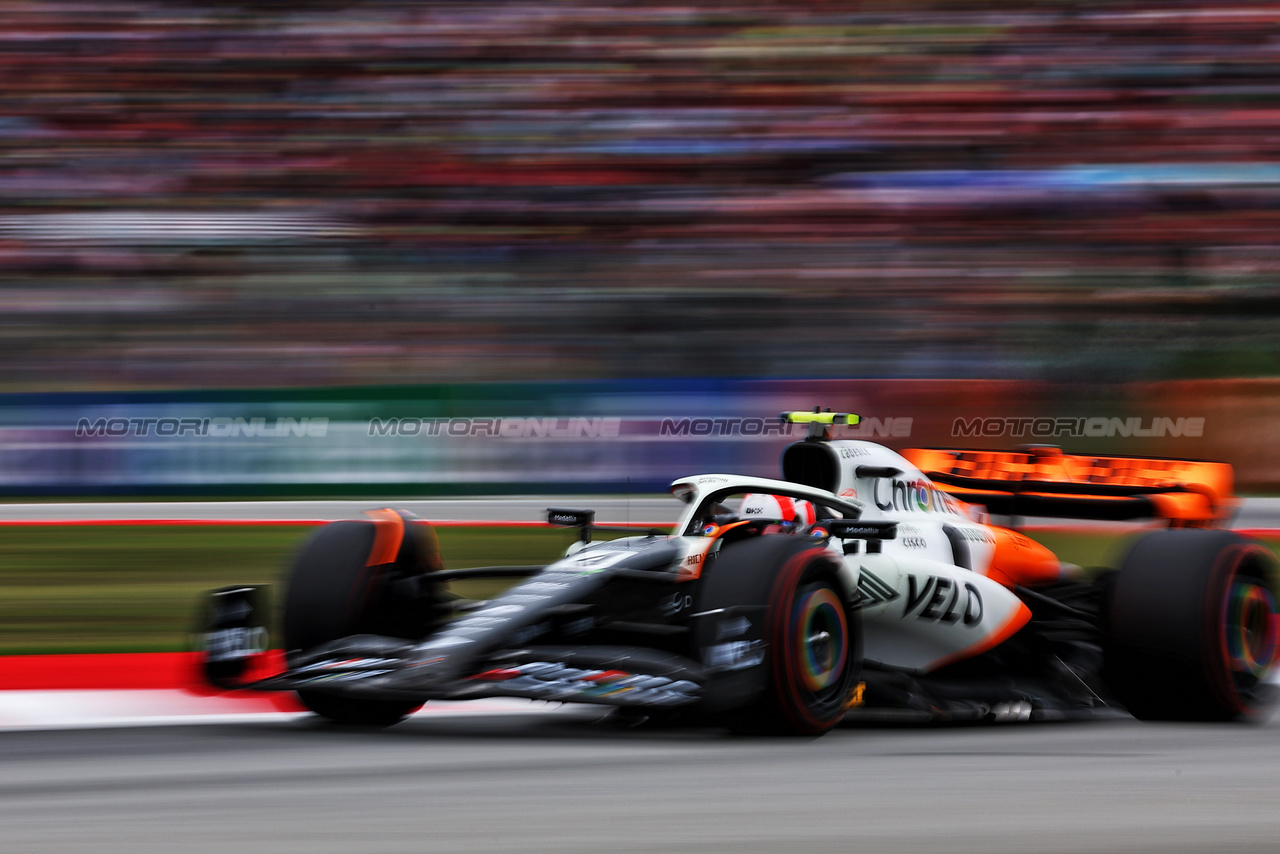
[813, 638]
[360, 577]
[1189, 626]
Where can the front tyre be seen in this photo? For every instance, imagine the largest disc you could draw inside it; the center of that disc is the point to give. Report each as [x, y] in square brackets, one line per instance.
[812, 651]
[1190, 626]
[807, 628]
[357, 712]
[361, 576]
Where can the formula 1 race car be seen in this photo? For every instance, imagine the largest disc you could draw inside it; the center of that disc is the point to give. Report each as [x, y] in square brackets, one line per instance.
[863, 579]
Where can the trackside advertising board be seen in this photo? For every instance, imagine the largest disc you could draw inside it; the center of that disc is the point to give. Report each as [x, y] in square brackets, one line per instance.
[633, 436]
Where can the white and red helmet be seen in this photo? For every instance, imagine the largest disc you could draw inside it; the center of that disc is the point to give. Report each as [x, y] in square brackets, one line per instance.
[780, 508]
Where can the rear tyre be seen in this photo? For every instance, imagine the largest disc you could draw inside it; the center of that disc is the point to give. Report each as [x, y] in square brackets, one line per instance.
[813, 639]
[334, 591]
[1190, 626]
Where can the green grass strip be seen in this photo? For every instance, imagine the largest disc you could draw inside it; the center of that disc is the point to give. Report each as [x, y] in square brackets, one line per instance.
[100, 588]
[96, 588]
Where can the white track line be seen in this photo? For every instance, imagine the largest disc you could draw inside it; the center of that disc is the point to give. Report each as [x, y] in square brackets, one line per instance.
[47, 710]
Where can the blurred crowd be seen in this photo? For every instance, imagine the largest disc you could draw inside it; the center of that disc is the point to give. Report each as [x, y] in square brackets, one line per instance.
[286, 193]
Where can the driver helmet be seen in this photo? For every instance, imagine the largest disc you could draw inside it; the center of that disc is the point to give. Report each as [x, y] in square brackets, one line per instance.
[780, 508]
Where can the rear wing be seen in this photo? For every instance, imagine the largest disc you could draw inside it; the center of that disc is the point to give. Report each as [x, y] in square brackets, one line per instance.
[1043, 481]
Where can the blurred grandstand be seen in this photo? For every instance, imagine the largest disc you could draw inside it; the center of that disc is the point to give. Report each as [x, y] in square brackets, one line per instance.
[289, 194]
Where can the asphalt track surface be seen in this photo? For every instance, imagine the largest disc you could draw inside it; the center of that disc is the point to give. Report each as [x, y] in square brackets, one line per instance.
[572, 779]
[565, 781]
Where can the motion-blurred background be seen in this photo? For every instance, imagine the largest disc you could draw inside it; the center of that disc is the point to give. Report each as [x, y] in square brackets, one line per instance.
[629, 210]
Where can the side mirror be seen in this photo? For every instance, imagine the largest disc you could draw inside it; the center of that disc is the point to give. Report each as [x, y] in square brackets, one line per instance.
[562, 518]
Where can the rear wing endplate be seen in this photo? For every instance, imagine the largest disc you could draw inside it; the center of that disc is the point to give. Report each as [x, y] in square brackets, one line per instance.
[1043, 481]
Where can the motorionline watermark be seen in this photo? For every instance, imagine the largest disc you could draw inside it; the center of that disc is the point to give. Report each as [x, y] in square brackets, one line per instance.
[211, 427]
[506, 428]
[865, 428]
[1097, 427]
[613, 428]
